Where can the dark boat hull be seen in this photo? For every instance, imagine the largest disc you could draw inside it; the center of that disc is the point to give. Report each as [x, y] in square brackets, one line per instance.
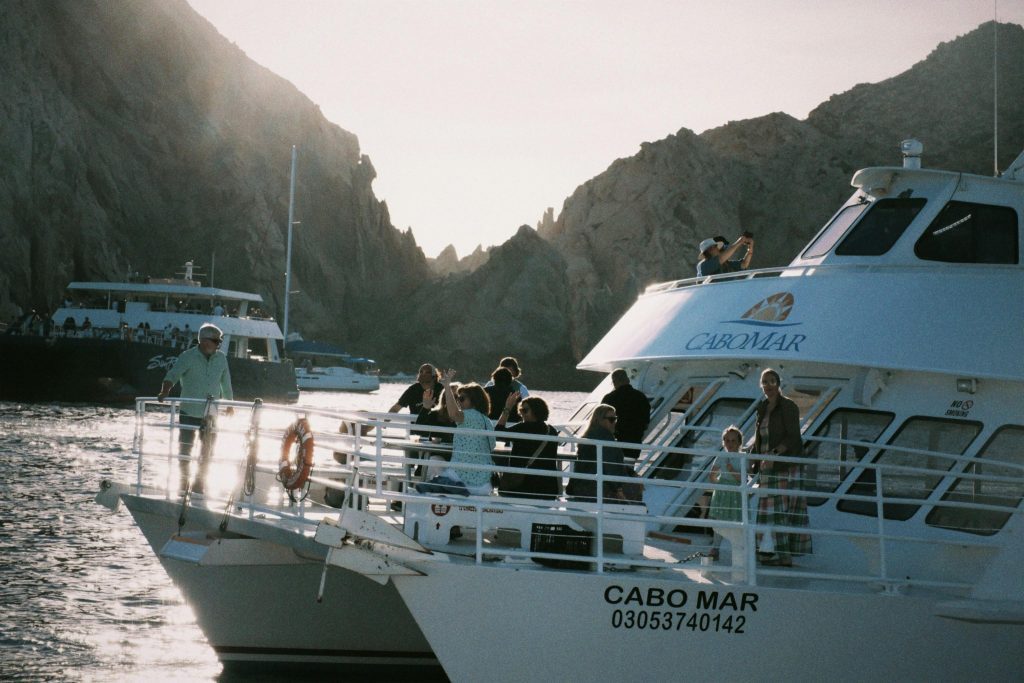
[116, 371]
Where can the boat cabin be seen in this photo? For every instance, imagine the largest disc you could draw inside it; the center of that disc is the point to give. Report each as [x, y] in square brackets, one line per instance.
[170, 312]
[868, 328]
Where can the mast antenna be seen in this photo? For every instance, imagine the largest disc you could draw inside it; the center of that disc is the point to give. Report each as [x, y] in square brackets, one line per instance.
[288, 265]
[995, 86]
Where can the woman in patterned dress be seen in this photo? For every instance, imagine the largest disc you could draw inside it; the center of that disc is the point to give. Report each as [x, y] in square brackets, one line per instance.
[726, 504]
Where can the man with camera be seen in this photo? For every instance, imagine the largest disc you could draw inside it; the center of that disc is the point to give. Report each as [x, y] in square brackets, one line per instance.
[716, 255]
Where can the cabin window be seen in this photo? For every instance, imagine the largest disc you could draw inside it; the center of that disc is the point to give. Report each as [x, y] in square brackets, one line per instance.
[970, 233]
[830, 463]
[1005, 446]
[919, 433]
[582, 415]
[721, 414]
[875, 234]
[838, 226]
[257, 348]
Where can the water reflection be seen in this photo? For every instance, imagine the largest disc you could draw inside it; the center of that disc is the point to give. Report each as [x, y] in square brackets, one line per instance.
[82, 596]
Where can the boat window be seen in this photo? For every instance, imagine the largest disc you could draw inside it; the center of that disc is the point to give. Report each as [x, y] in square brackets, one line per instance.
[834, 230]
[721, 414]
[1005, 446]
[829, 463]
[970, 233]
[582, 415]
[257, 348]
[921, 433]
[881, 227]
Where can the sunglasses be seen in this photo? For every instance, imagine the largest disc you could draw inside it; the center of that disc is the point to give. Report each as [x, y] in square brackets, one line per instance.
[611, 418]
[216, 342]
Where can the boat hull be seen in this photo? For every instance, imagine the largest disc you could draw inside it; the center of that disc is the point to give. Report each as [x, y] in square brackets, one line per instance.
[75, 369]
[335, 379]
[623, 626]
[255, 600]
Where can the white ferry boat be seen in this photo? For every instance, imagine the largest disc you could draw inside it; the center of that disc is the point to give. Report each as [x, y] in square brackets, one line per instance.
[896, 331]
[112, 341]
[325, 367]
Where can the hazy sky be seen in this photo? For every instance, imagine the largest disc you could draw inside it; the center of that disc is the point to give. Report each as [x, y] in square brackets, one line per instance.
[478, 115]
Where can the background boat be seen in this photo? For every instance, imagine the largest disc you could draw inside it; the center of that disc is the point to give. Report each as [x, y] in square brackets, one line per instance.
[112, 341]
[325, 367]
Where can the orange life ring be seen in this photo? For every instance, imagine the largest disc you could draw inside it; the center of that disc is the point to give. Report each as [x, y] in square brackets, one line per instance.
[299, 435]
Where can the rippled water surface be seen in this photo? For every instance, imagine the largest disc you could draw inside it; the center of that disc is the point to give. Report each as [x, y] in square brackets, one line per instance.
[82, 597]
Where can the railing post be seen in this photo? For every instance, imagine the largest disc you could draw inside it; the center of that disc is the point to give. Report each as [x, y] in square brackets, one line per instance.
[379, 448]
[749, 532]
[880, 509]
[139, 442]
[479, 534]
[600, 509]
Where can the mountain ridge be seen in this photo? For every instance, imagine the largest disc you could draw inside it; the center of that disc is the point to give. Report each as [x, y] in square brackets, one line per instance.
[138, 137]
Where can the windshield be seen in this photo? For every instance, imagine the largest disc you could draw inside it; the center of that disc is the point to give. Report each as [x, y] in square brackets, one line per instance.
[881, 227]
[835, 229]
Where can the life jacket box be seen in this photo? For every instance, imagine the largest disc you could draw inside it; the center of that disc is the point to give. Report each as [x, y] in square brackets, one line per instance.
[563, 540]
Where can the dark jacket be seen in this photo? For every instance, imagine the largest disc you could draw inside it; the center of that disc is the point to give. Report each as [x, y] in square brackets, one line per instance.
[412, 398]
[498, 395]
[522, 451]
[586, 463]
[634, 411]
[783, 428]
[434, 418]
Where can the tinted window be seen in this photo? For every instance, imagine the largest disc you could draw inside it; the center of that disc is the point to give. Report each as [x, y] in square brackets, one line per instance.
[834, 230]
[1005, 446]
[919, 433]
[881, 227]
[721, 414]
[970, 233]
[831, 462]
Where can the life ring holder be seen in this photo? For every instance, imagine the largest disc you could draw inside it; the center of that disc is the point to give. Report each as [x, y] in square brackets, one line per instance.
[294, 476]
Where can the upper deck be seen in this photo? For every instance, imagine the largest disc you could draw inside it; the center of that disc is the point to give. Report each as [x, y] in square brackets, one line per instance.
[178, 290]
[919, 270]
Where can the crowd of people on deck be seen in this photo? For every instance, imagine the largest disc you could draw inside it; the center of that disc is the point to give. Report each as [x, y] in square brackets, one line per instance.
[37, 325]
[504, 405]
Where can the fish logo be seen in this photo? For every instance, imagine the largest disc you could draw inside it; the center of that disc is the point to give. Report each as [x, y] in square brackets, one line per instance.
[769, 312]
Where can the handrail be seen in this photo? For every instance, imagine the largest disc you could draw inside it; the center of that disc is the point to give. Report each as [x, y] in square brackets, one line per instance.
[813, 269]
[376, 454]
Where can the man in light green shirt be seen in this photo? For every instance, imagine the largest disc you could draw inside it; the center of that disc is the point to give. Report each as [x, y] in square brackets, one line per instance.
[203, 372]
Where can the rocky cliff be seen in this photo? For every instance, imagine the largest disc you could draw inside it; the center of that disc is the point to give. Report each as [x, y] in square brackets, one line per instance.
[514, 304]
[136, 136]
[640, 221]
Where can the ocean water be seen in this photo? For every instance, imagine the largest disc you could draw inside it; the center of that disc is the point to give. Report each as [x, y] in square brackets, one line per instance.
[82, 597]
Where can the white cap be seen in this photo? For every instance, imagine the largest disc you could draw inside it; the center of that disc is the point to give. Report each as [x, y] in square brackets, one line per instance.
[707, 244]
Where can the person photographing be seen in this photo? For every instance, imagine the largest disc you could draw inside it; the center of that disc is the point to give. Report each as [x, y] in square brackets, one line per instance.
[717, 257]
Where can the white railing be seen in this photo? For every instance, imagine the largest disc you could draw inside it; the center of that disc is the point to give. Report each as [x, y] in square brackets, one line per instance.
[371, 459]
[814, 269]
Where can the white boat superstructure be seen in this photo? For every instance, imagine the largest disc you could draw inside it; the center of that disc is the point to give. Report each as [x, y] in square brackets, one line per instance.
[112, 341]
[325, 367]
[170, 312]
[897, 334]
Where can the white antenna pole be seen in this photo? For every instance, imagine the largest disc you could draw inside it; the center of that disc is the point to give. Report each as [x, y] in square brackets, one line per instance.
[995, 86]
[213, 266]
[288, 267]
